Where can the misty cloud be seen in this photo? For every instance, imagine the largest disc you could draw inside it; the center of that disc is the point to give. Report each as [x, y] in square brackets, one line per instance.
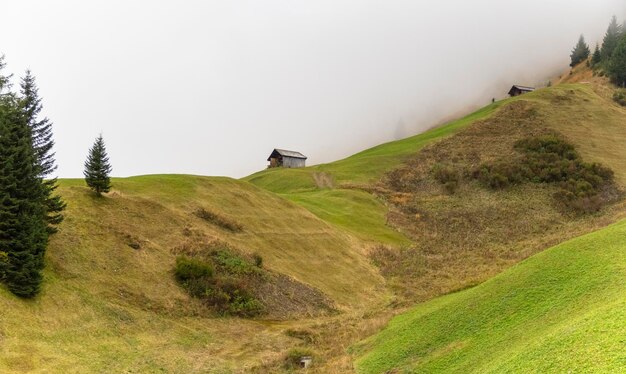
[210, 87]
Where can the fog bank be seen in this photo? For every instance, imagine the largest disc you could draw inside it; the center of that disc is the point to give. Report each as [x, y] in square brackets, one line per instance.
[211, 87]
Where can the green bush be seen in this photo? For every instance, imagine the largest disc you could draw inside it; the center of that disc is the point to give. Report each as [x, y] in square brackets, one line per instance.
[447, 176]
[492, 177]
[231, 298]
[221, 283]
[502, 175]
[200, 288]
[620, 97]
[189, 268]
[550, 159]
[244, 305]
[232, 263]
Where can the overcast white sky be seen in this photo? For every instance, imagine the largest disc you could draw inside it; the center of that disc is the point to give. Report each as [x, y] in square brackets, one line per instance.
[211, 87]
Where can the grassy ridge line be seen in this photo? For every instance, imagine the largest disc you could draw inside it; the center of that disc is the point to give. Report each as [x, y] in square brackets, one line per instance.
[357, 212]
[371, 164]
[560, 310]
[366, 166]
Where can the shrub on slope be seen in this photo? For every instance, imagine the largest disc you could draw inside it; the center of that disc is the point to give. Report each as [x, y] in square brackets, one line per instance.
[463, 232]
[233, 283]
[583, 187]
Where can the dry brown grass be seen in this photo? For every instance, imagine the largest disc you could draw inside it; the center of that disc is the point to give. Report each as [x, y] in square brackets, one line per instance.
[218, 220]
[330, 339]
[465, 237]
[107, 307]
[581, 73]
[588, 118]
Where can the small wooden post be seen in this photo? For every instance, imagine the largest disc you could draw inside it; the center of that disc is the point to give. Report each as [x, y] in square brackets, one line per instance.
[306, 361]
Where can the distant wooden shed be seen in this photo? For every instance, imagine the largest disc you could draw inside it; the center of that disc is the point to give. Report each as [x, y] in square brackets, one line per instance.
[287, 159]
[520, 90]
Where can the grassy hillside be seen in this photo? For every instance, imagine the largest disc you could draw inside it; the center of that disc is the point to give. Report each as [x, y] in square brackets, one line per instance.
[466, 231]
[341, 192]
[342, 246]
[590, 119]
[464, 238]
[356, 211]
[560, 311]
[363, 168]
[582, 111]
[332, 191]
[110, 302]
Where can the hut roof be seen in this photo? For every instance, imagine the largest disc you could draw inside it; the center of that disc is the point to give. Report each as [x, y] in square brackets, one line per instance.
[521, 88]
[286, 153]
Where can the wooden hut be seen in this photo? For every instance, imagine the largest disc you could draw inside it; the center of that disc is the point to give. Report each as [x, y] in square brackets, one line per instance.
[520, 90]
[287, 159]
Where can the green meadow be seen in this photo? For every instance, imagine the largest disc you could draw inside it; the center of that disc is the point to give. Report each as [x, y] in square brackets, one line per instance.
[560, 311]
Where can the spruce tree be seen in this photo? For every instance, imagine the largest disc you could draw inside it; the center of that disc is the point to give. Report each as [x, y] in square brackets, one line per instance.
[4, 264]
[617, 64]
[5, 216]
[580, 53]
[97, 168]
[611, 39]
[23, 228]
[4, 80]
[596, 58]
[42, 143]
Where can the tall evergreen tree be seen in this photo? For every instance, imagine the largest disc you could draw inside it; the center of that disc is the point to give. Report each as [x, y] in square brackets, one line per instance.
[617, 64]
[97, 168]
[43, 144]
[611, 39]
[23, 228]
[596, 58]
[580, 53]
[4, 80]
[4, 265]
[4, 215]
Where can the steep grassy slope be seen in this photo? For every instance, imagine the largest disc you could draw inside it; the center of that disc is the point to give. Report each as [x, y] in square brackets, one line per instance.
[586, 115]
[365, 167]
[560, 311]
[110, 302]
[582, 113]
[108, 307]
[468, 233]
[346, 206]
[356, 211]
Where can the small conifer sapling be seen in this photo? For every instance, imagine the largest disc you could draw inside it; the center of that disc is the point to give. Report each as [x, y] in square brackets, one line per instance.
[98, 168]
